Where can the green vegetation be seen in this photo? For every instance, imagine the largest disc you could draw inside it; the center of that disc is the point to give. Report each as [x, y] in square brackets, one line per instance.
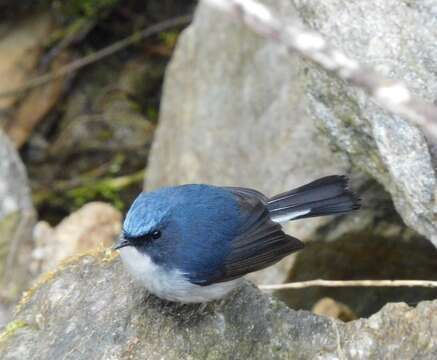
[64, 193]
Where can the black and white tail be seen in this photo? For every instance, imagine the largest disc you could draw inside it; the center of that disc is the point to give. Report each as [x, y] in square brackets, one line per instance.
[326, 196]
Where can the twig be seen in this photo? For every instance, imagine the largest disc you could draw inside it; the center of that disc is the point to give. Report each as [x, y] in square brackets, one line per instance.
[100, 54]
[350, 283]
[391, 95]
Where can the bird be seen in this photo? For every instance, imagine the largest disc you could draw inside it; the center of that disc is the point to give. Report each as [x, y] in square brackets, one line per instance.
[193, 243]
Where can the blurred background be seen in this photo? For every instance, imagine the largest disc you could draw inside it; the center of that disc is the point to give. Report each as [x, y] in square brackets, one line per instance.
[102, 99]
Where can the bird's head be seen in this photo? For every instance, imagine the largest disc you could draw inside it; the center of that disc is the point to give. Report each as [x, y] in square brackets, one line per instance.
[186, 227]
[147, 225]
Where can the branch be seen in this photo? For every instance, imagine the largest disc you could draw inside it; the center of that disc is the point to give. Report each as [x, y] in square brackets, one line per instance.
[350, 283]
[100, 54]
[389, 94]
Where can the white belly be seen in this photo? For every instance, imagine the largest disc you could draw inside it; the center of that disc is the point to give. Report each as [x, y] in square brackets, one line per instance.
[171, 284]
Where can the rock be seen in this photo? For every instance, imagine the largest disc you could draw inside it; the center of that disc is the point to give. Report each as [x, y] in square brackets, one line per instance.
[390, 149]
[14, 189]
[95, 225]
[90, 309]
[208, 134]
[17, 218]
[249, 114]
[333, 309]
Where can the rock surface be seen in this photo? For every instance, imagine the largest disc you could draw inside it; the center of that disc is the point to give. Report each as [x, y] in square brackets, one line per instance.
[394, 152]
[16, 224]
[92, 310]
[237, 110]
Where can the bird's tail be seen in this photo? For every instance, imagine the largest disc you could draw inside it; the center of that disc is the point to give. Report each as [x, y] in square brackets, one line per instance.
[326, 196]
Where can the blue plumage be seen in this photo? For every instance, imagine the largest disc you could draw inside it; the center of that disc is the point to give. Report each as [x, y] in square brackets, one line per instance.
[197, 222]
[192, 243]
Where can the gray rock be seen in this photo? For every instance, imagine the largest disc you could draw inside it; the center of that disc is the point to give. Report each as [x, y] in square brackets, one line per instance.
[14, 189]
[237, 110]
[16, 224]
[91, 309]
[390, 149]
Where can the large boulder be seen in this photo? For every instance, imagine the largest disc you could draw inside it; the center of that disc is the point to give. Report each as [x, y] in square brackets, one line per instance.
[90, 309]
[238, 110]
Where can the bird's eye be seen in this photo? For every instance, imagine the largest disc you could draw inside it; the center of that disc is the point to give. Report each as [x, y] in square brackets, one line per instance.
[156, 234]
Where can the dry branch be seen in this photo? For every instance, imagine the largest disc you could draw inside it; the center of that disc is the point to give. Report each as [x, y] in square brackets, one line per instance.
[350, 283]
[100, 54]
[390, 94]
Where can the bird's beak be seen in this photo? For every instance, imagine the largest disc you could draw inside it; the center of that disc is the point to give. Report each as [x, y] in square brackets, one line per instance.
[122, 242]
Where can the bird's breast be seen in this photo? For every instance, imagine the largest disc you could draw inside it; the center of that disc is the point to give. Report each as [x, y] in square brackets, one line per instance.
[170, 284]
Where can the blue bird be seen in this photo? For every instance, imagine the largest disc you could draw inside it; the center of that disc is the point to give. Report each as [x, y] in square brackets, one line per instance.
[193, 243]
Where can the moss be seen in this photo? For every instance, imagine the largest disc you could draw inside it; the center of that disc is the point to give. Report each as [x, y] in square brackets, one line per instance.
[11, 329]
[101, 254]
[108, 189]
[90, 189]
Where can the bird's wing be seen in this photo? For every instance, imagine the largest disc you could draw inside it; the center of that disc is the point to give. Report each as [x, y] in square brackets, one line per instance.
[261, 242]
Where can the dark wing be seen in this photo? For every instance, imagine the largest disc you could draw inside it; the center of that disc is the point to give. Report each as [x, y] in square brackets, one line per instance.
[261, 242]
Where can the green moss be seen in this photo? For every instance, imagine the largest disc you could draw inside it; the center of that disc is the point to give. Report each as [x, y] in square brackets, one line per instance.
[106, 188]
[11, 329]
[90, 189]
